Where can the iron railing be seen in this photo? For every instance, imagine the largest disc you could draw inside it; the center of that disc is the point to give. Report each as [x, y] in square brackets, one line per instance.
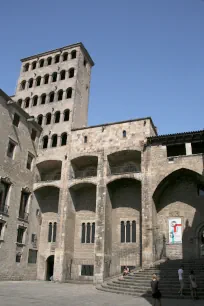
[23, 216]
[85, 173]
[4, 210]
[124, 169]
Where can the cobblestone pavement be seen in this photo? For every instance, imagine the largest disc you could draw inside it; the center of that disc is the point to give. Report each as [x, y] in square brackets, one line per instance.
[49, 294]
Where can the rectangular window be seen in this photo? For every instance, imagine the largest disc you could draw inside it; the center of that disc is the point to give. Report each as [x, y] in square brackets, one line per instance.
[197, 147]
[20, 234]
[1, 230]
[4, 188]
[29, 161]
[11, 149]
[33, 134]
[176, 150]
[18, 257]
[23, 205]
[87, 270]
[32, 256]
[16, 120]
[128, 231]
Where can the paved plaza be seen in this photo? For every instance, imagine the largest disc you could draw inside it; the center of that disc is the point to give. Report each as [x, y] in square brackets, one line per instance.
[46, 293]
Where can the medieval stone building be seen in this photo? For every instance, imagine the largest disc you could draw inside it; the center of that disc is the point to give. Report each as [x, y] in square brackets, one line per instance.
[79, 202]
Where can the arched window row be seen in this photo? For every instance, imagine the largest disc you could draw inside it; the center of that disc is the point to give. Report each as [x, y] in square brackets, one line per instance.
[65, 56]
[56, 117]
[54, 141]
[43, 99]
[128, 231]
[52, 232]
[47, 78]
[88, 232]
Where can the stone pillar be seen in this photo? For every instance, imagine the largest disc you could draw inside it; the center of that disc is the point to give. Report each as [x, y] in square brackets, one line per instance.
[99, 247]
[188, 148]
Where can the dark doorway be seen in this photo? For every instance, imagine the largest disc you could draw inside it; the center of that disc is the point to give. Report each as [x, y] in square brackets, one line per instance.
[50, 267]
[201, 242]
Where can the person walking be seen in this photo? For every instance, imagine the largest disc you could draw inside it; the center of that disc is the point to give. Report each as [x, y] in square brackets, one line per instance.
[193, 285]
[180, 275]
[156, 294]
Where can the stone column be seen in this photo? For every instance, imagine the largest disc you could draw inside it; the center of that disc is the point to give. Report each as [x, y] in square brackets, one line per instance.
[188, 148]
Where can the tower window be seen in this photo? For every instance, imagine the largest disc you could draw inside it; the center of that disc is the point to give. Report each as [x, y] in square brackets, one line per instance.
[27, 102]
[52, 96]
[48, 118]
[41, 63]
[20, 234]
[35, 100]
[54, 77]
[57, 58]
[71, 73]
[83, 232]
[50, 232]
[38, 81]
[57, 117]
[69, 93]
[85, 139]
[85, 63]
[64, 139]
[30, 83]
[23, 85]
[4, 189]
[46, 79]
[40, 119]
[124, 134]
[54, 141]
[62, 75]
[60, 95]
[49, 61]
[122, 231]
[54, 232]
[88, 232]
[73, 54]
[45, 142]
[65, 56]
[66, 115]
[20, 102]
[16, 119]
[33, 134]
[29, 161]
[34, 65]
[26, 67]
[43, 98]
[11, 149]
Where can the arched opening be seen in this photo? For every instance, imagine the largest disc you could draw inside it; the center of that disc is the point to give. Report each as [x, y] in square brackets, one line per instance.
[52, 96]
[126, 161]
[30, 83]
[49, 170]
[50, 267]
[48, 118]
[43, 98]
[27, 102]
[57, 58]
[26, 67]
[62, 75]
[84, 166]
[54, 141]
[65, 56]
[34, 65]
[60, 95]
[66, 115]
[71, 73]
[38, 81]
[124, 134]
[64, 139]
[57, 117]
[54, 77]
[73, 54]
[69, 93]
[49, 61]
[40, 119]
[45, 142]
[41, 63]
[23, 85]
[46, 79]
[35, 100]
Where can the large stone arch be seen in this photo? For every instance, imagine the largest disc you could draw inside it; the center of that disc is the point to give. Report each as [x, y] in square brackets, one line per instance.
[84, 166]
[48, 170]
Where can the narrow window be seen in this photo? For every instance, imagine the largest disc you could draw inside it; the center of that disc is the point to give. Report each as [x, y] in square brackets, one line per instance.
[85, 139]
[133, 231]
[93, 233]
[65, 56]
[45, 142]
[43, 98]
[57, 117]
[27, 102]
[29, 161]
[20, 234]
[18, 257]
[11, 149]
[41, 63]
[26, 67]
[38, 81]
[54, 77]
[23, 85]
[4, 189]
[35, 100]
[71, 73]
[62, 75]
[54, 141]
[16, 119]
[69, 93]
[50, 232]
[48, 118]
[122, 230]
[49, 61]
[85, 63]
[40, 119]
[66, 115]
[46, 79]
[73, 54]
[88, 233]
[20, 102]
[32, 256]
[30, 83]
[57, 59]
[23, 205]
[64, 139]
[83, 231]
[33, 135]
[60, 95]
[128, 231]
[54, 232]
[124, 134]
[52, 96]
[1, 230]
[34, 65]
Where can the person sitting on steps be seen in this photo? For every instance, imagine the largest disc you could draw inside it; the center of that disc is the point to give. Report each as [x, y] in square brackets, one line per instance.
[193, 285]
[126, 271]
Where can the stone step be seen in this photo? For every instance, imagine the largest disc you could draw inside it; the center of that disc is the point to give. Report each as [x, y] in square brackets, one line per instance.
[147, 284]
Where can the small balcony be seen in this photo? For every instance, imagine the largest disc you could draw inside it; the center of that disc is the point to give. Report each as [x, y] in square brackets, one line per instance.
[4, 210]
[23, 216]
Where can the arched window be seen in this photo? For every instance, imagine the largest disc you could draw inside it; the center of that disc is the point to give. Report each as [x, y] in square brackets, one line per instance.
[85, 139]
[35, 100]
[23, 85]
[62, 75]
[54, 77]
[128, 231]
[69, 93]
[133, 231]
[20, 102]
[122, 231]
[124, 134]
[27, 102]
[54, 232]
[64, 139]
[45, 142]
[46, 79]
[39, 120]
[34, 65]
[30, 83]
[54, 140]
[38, 81]
[73, 54]
[83, 232]
[26, 67]
[93, 233]
[57, 58]
[52, 96]
[65, 56]
[50, 232]
[57, 117]
[71, 73]
[88, 233]
[41, 63]
[43, 98]
[66, 115]
[60, 95]
[49, 61]
[48, 118]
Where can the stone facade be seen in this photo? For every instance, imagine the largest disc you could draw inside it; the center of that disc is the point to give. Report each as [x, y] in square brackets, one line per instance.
[100, 196]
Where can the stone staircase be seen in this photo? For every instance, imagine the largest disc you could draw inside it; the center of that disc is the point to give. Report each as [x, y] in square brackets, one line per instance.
[138, 283]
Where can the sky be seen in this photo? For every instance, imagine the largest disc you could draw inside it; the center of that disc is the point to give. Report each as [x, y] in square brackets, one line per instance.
[148, 54]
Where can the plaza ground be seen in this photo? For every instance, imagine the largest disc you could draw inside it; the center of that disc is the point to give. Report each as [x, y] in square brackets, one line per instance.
[46, 293]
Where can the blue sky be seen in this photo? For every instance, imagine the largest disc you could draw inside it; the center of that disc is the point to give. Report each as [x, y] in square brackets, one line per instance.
[148, 54]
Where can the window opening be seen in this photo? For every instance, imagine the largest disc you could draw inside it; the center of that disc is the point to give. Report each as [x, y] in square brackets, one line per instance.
[16, 120]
